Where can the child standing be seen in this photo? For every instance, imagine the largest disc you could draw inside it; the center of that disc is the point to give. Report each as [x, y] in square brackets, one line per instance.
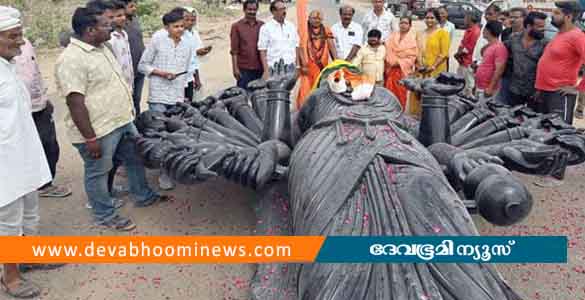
[370, 59]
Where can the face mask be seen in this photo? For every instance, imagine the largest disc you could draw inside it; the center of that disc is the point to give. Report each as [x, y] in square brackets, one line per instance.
[537, 35]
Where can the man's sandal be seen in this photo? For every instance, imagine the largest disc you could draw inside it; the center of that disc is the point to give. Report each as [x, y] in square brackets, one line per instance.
[25, 290]
[54, 191]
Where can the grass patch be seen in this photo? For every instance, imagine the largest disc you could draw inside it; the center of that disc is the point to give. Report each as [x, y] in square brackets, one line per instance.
[151, 11]
[45, 19]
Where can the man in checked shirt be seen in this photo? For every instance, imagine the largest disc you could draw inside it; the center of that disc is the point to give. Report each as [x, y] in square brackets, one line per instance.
[166, 63]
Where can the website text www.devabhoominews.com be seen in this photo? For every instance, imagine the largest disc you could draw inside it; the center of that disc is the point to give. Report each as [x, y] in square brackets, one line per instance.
[160, 249]
[143, 250]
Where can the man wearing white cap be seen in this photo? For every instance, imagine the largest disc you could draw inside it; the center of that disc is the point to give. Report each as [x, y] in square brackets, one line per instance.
[23, 165]
[192, 35]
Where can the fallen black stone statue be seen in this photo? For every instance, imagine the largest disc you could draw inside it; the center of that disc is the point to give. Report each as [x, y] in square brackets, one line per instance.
[350, 166]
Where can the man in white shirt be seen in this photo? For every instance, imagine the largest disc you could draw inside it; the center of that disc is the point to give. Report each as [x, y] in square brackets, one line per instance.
[194, 80]
[379, 18]
[278, 39]
[23, 165]
[120, 43]
[447, 26]
[491, 14]
[348, 34]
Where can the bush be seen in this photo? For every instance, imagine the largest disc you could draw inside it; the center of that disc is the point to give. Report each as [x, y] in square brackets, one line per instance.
[148, 7]
[44, 32]
[44, 20]
[151, 12]
[150, 24]
[211, 10]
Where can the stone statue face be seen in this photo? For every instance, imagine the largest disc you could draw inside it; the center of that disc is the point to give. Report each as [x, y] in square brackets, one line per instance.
[353, 86]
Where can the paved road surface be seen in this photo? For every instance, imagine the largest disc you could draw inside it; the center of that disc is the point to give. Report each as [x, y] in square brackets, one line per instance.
[331, 11]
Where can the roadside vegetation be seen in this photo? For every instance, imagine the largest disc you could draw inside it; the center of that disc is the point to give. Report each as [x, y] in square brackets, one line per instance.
[45, 19]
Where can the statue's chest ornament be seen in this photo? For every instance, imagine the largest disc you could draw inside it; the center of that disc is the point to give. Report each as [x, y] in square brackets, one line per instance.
[364, 122]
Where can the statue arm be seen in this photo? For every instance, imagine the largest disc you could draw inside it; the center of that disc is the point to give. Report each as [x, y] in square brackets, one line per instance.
[460, 162]
[499, 197]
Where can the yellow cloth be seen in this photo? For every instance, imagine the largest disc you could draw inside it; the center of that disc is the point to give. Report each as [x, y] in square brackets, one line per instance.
[371, 61]
[331, 67]
[432, 46]
[96, 74]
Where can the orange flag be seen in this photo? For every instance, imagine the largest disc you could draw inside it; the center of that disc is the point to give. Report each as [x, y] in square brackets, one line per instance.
[302, 18]
[303, 29]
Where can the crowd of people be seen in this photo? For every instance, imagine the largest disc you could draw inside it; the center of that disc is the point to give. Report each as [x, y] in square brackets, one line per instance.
[504, 57]
[102, 71]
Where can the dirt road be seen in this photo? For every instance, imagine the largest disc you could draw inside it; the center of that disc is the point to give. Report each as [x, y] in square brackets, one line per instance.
[219, 207]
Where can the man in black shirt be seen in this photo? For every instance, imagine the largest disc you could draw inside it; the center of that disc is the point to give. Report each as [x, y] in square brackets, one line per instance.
[504, 18]
[525, 49]
[136, 41]
[516, 20]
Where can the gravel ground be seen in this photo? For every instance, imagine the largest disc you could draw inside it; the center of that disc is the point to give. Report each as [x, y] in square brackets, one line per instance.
[218, 207]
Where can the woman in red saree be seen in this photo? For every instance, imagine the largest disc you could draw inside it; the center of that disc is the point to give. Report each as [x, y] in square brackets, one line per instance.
[401, 53]
[319, 50]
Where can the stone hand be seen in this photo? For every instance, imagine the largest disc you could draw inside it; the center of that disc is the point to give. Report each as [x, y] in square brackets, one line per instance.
[465, 162]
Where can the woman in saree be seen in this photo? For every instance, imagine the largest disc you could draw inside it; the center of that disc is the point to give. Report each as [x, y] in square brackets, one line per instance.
[319, 50]
[401, 54]
[433, 45]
